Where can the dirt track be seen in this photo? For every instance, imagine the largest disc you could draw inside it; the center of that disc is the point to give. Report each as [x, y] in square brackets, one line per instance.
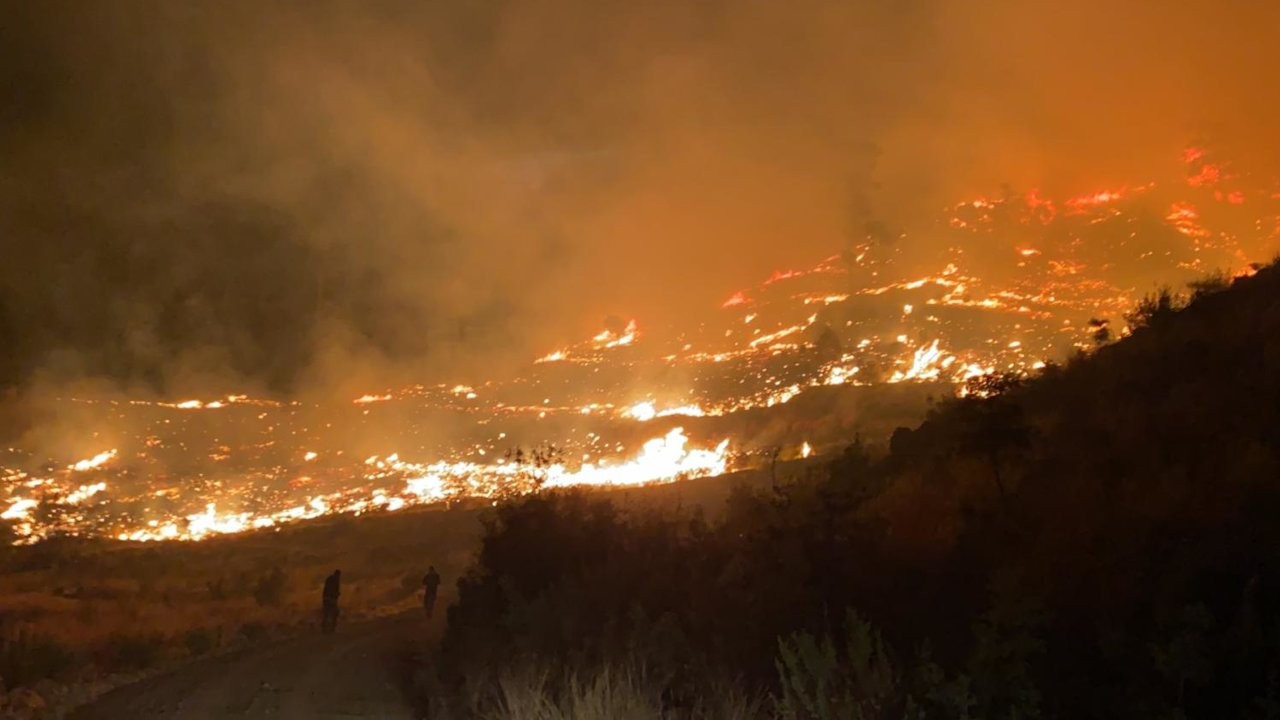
[355, 673]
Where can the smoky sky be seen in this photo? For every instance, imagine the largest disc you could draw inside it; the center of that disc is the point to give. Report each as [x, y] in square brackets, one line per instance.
[281, 195]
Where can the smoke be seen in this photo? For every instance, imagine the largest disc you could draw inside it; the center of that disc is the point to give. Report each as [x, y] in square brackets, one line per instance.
[307, 195]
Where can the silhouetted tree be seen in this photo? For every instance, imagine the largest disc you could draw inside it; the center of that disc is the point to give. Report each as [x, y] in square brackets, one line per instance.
[827, 345]
[1101, 332]
[1209, 284]
[995, 429]
[1153, 309]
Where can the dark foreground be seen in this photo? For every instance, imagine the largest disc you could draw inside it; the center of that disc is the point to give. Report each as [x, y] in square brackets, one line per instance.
[356, 672]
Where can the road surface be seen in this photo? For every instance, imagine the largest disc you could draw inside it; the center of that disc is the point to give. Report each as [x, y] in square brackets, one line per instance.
[358, 672]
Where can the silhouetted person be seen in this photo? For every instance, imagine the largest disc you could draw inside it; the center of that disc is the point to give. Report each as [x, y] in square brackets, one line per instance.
[430, 584]
[329, 608]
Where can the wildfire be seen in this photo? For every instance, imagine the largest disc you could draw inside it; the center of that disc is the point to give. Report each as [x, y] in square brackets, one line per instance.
[926, 364]
[863, 318]
[662, 459]
[604, 340]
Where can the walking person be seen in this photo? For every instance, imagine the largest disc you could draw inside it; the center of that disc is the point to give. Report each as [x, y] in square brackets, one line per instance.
[329, 602]
[430, 585]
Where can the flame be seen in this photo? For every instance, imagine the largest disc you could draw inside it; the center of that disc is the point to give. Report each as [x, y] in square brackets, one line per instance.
[210, 404]
[1086, 202]
[662, 459]
[603, 340]
[609, 339]
[84, 492]
[20, 509]
[1207, 176]
[684, 410]
[643, 412]
[98, 460]
[924, 364]
[825, 299]
[1183, 216]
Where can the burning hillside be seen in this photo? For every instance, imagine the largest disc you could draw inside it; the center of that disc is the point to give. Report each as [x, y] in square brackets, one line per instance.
[634, 405]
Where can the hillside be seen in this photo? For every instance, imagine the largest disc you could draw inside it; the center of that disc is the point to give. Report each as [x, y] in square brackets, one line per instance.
[1098, 541]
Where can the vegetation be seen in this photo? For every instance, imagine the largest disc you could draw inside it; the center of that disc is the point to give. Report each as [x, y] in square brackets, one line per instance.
[1097, 542]
[74, 611]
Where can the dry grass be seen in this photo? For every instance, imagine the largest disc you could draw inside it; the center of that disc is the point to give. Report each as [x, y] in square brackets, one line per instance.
[78, 610]
[610, 694]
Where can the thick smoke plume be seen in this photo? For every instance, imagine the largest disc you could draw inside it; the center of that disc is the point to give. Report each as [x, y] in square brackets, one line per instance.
[290, 196]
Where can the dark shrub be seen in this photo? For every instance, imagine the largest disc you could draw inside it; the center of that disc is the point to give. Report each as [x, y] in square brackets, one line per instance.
[27, 658]
[269, 590]
[125, 651]
[199, 641]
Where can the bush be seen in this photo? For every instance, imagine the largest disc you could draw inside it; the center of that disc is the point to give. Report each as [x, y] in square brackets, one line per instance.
[607, 694]
[124, 652]
[199, 641]
[1155, 309]
[269, 590]
[26, 658]
[254, 632]
[856, 682]
[217, 591]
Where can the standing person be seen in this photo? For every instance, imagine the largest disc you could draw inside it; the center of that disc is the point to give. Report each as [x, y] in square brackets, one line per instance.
[430, 584]
[329, 608]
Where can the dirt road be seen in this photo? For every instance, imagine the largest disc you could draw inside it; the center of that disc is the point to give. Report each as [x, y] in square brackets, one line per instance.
[358, 672]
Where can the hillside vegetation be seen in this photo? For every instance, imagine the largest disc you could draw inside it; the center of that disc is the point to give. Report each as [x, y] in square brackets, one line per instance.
[1099, 541]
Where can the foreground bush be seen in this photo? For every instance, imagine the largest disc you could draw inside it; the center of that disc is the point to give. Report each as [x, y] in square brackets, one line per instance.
[26, 657]
[604, 695]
